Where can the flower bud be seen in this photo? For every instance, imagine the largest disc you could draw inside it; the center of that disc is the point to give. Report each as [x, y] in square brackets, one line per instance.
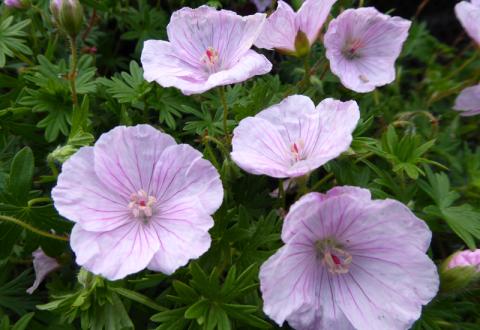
[62, 153]
[68, 15]
[302, 44]
[460, 270]
[16, 3]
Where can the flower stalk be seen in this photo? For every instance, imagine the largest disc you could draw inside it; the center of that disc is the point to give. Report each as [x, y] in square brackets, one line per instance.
[37, 231]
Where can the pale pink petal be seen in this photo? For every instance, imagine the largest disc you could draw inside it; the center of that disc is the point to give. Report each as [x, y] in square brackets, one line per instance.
[252, 64]
[311, 16]
[468, 13]
[280, 30]
[369, 264]
[362, 47]
[193, 31]
[126, 157]
[260, 148]
[465, 258]
[262, 5]
[116, 253]
[287, 281]
[183, 235]
[43, 265]
[161, 64]
[207, 48]
[468, 102]
[386, 288]
[293, 138]
[81, 196]
[182, 174]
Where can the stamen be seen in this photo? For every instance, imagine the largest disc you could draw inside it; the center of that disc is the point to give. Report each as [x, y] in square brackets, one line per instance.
[297, 151]
[210, 58]
[334, 256]
[142, 204]
[351, 48]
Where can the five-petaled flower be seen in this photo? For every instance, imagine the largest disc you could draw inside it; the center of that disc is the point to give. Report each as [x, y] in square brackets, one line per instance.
[468, 102]
[294, 137]
[207, 48]
[138, 200]
[349, 262]
[468, 13]
[294, 33]
[362, 47]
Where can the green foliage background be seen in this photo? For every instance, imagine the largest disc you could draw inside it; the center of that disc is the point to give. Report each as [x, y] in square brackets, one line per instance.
[410, 146]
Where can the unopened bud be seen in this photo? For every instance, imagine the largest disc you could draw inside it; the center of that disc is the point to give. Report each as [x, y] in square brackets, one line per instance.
[302, 44]
[69, 15]
[460, 270]
[16, 3]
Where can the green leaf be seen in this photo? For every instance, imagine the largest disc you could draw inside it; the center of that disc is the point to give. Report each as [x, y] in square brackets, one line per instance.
[140, 298]
[129, 87]
[11, 41]
[21, 175]
[23, 322]
[197, 311]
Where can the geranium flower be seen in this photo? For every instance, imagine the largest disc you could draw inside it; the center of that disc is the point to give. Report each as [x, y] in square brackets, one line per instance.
[465, 258]
[468, 13]
[468, 102]
[294, 137]
[207, 48]
[138, 200]
[286, 30]
[349, 262]
[362, 47]
[262, 5]
[43, 265]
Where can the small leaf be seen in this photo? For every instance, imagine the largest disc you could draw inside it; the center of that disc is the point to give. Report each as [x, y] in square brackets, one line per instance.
[21, 175]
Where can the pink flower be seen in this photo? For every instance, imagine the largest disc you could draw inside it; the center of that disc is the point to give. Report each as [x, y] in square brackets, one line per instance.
[13, 3]
[468, 102]
[465, 258]
[468, 13]
[284, 25]
[349, 262]
[294, 137]
[43, 265]
[262, 5]
[207, 48]
[138, 200]
[362, 47]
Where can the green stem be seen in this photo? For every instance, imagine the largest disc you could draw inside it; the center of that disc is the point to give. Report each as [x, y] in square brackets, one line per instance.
[306, 67]
[322, 181]
[73, 69]
[23, 58]
[220, 145]
[281, 194]
[39, 200]
[32, 229]
[225, 113]
[213, 158]
[361, 3]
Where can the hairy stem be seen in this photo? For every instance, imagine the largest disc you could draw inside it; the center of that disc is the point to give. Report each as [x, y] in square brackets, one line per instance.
[32, 229]
[225, 113]
[73, 69]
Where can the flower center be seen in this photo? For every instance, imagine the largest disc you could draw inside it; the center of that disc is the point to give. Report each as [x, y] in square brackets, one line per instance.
[210, 58]
[297, 151]
[142, 204]
[333, 256]
[351, 48]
